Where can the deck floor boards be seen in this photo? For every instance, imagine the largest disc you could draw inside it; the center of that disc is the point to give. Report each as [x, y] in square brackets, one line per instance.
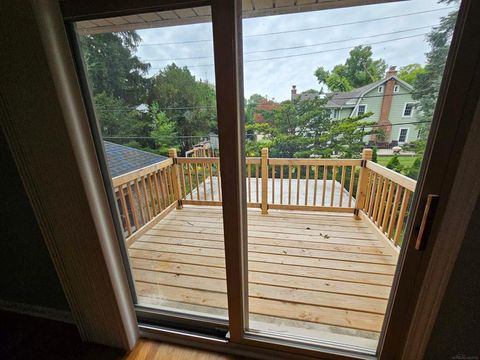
[326, 269]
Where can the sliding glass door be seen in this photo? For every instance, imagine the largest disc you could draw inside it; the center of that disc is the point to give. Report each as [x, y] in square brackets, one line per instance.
[277, 216]
[152, 86]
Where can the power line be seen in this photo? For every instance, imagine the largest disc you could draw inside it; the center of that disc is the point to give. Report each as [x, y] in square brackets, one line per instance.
[299, 46]
[120, 109]
[308, 29]
[304, 54]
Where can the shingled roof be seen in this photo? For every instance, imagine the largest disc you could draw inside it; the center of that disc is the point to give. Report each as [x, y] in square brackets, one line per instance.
[123, 159]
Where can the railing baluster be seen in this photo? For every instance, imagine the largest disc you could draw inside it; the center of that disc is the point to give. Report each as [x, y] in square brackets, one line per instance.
[145, 194]
[401, 216]
[125, 210]
[273, 184]
[342, 186]
[152, 196]
[350, 188]
[307, 178]
[190, 183]
[139, 195]
[281, 184]
[378, 196]
[369, 190]
[249, 190]
[211, 181]
[183, 193]
[172, 186]
[383, 200]
[315, 185]
[256, 181]
[388, 206]
[131, 201]
[298, 183]
[204, 181]
[372, 195]
[334, 180]
[198, 181]
[289, 184]
[158, 177]
[394, 215]
[219, 189]
[324, 189]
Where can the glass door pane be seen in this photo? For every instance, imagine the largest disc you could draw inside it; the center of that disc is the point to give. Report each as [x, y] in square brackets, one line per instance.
[152, 84]
[338, 108]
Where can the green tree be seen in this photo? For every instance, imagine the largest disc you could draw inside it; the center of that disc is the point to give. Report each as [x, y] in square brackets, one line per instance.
[394, 164]
[190, 103]
[117, 118]
[408, 73]
[375, 154]
[113, 68]
[303, 128]
[163, 130]
[427, 84]
[359, 69]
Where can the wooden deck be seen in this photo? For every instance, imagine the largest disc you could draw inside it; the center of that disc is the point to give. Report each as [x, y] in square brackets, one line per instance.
[308, 271]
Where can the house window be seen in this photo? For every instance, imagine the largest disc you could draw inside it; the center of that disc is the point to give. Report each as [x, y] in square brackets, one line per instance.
[362, 109]
[403, 135]
[334, 113]
[380, 89]
[396, 88]
[408, 110]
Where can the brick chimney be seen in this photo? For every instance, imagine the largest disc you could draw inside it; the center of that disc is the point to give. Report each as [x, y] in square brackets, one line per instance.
[384, 121]
[294, 92]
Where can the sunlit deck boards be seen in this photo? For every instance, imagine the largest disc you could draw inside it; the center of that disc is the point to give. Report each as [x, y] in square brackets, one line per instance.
[320, 268]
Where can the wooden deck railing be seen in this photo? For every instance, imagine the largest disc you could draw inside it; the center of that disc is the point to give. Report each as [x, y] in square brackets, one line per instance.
[382, 195]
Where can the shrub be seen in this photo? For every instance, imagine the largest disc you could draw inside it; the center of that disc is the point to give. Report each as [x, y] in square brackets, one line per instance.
[394, 164]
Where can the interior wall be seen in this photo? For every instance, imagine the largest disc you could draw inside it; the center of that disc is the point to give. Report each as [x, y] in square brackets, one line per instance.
[456, 331]
[28, 274]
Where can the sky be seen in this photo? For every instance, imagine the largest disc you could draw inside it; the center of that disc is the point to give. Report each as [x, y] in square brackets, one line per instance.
[273, 62]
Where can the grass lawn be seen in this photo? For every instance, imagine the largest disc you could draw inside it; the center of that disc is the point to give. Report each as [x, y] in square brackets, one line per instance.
[406, 161]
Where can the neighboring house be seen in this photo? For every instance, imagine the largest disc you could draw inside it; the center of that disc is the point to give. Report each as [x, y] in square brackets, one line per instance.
[390, 100]
[123, 159]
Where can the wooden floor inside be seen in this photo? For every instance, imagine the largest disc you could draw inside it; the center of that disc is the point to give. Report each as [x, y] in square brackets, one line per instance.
[311, 273]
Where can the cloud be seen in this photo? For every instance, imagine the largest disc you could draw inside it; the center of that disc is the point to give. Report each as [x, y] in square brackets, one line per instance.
[274, 77]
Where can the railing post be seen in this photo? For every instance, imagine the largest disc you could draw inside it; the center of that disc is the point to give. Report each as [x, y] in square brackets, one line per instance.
[264, 165]
[172, 153]
[362, 182]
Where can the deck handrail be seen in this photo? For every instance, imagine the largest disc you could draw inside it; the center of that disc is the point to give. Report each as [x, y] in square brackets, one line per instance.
[357, 186]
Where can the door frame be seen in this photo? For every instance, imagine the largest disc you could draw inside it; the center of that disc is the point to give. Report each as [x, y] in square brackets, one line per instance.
[413, 304]
[404, 320]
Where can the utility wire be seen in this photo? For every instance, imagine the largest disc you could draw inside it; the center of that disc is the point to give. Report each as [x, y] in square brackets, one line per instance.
[308, 29]
[304, 54]
[301, 46]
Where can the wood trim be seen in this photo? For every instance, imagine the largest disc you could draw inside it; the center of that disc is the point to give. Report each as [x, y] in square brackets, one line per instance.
[83, 10]
[313, 208]
[132, 175]
[318, 162]
[66, 190]
[404, 181]
[404, 330]
[137, 234]
[227, 41]
[37, 311]
[458, 215]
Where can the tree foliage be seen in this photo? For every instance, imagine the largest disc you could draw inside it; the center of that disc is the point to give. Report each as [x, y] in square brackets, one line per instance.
[359, 69]
[408, 73]
[427, 84]
[190, 103]
[113, 68]
[303, 128]
[163, 132]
